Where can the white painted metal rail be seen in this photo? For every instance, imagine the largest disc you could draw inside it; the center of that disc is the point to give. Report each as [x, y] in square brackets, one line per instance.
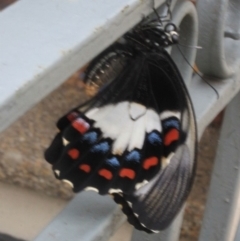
[42, 42]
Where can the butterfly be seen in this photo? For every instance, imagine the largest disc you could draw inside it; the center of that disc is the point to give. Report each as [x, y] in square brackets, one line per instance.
[136, 139]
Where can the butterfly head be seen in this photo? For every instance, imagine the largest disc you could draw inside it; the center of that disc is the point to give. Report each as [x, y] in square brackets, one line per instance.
[152, 35]
[172, 33]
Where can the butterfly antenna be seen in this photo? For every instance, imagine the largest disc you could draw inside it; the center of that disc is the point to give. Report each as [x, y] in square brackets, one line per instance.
[187, 46]
[195, 71]
[134, 40]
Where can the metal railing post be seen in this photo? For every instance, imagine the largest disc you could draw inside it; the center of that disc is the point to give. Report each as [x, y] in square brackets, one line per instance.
[223, 205]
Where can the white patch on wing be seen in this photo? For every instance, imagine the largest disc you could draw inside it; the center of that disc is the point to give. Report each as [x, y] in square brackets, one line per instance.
[115, 121]
[111, 119]
[138, 134]
[121, 143]
[100, 113]
[57, 172]
[136, 215]
[91, 112]
[91, 189]
[112, 190]
[166, 160]
[129, 204]
[68, 182]
[154, 231]
[167, 114]
[140, 184]
[152, 121]
[65, 142]
[136, 110]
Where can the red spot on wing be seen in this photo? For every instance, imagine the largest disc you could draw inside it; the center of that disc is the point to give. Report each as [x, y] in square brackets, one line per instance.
[72, 116]
[150, 162]
[80, 125]
[84, 167]
[171, 136]
[105, 173]
[73, 153]
[126, 172]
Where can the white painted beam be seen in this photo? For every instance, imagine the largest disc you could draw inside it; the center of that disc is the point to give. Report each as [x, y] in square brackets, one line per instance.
[43, 42]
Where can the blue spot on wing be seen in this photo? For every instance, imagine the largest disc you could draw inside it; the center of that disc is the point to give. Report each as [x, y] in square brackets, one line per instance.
[172, 123]
[90, 137]
[113, 162]
[133, 156]
[101, 147]
[154, 138]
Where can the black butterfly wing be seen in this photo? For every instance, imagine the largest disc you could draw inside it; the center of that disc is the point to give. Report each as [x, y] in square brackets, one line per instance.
[154, 206]
[136, 130]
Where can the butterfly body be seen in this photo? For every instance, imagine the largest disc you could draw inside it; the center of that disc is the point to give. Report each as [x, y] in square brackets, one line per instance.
[136, 138]
[106, 67]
